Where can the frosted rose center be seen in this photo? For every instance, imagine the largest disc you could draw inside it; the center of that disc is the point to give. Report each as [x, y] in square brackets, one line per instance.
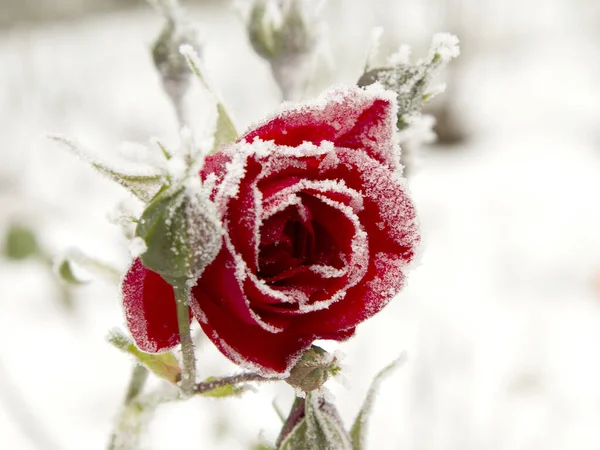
[293, 240]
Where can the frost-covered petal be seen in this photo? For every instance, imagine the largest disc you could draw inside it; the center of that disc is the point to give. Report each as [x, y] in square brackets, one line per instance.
[246, 344]
[352, 117]
[251, 346]
[150, 309]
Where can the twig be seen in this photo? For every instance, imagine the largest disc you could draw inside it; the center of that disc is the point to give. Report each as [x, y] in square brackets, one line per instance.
[248, 377]
[188, 379]
[139, 375]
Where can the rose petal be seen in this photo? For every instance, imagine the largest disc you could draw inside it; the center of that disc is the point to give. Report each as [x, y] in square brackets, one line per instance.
[383, 280]
[245, 344]
[349, 117]
[150, 309]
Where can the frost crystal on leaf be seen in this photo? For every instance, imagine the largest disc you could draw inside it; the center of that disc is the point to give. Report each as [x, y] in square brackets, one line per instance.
[137, 247]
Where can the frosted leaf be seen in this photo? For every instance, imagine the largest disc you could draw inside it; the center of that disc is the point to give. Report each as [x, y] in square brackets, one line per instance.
[402, 56]
[64, 269]
[74, 267]
[140, 154]
[143, 183]
[358, 430]
[411, 80]
[164, 365]
[124, 215]
[445, 46]
[176, 168]
[224, 130]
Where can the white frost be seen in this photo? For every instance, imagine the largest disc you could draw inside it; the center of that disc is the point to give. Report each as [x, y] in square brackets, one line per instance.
[137, 247]
[445, 45]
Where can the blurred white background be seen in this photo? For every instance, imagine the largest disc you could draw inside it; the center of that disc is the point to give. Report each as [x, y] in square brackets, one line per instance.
[501, 319]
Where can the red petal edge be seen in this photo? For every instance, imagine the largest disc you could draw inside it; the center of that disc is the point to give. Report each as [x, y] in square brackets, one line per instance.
[352, 117]
[150, 309]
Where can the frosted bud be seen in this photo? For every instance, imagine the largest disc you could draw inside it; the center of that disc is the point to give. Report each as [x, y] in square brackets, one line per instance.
[286, 34]
[313, 423]
[169, 62]
[313, 369]
[182, 233]
[277, 29]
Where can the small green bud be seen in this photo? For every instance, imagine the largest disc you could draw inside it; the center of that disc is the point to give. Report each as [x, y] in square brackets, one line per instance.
[20, 243]
[280, 31]
[182, 234]
[171, 64]
[313, 369]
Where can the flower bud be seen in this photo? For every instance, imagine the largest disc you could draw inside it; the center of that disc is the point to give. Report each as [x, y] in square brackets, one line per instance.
[165, 51]
[313, 369]
[276, 31]
[286, 35]
[182, 232]
[170, 63]
[313, 422]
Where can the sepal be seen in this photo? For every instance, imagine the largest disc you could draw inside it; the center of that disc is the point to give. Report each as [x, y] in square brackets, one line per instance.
[164, 365]
[314, 423]
[358, 430]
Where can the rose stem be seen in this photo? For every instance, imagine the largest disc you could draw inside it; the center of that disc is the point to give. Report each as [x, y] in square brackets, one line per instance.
[206, 386]
[139, 375]
[182, 295]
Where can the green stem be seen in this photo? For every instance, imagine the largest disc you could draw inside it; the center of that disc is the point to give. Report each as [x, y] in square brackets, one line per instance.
[136, 384]
[139, 375]
[206, 386]
[188, 379]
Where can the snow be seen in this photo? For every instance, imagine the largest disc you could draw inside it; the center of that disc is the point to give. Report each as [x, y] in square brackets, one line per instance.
[445, 45]
[501, 320]
[137, 247]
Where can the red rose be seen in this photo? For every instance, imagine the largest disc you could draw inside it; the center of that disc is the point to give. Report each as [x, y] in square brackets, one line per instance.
[319, 230]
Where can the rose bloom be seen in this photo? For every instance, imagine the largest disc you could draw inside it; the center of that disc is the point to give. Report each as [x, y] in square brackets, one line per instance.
[318, 233]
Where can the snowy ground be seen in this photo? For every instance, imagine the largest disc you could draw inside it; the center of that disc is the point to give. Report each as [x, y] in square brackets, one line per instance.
[501, 321]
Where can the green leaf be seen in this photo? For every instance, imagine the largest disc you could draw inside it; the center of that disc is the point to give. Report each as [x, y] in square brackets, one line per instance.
[20, 243]
[164, 365]
[73, 258]
[225, 131]
[358, 430]
[64, 270]
[143, 186]
[229, 390]
[319, 429]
